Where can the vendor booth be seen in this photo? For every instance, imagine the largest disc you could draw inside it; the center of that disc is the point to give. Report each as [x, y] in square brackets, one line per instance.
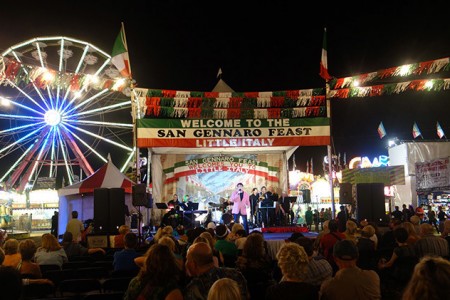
[80, 196]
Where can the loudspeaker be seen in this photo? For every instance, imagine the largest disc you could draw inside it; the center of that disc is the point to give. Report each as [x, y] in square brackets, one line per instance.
[116, 209]
[149, 203]
[101, 209]
[306, 196]
[345, 193]
[139, 197]
[370, 202]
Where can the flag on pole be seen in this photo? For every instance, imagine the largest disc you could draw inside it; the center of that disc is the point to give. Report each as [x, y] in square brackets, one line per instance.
[311, 166]
[440, 131]
[416, 131]
[381, 130]
[219, 73]
[307, 166]
[324, 61]
[119, 55]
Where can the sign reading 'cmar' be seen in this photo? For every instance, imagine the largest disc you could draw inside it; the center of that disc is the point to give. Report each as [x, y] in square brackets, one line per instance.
[201, 133]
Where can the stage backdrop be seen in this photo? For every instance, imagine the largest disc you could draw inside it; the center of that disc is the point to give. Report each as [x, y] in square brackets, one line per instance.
[203, 143]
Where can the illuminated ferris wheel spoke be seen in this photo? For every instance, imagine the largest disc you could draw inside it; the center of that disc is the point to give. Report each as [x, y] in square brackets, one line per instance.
[19, 128]
[85, 144]
[26, 107]
[80, 62]
[16, 163]
[21, 139]
[84, 102]
[86, 167]
[109, 124]
[28, 159]
[130, 157]
[32, 81]
[65, 155]
[43, 150]
[100, 137]
[105, 108]
[25, 94]
[19, 117]
[52, 156]
[41, 59]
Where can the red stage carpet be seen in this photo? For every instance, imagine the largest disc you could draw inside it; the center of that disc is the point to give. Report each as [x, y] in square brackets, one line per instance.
[284, 229]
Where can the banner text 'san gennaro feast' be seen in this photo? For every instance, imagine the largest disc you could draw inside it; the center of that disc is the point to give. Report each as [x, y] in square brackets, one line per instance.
[210, 133]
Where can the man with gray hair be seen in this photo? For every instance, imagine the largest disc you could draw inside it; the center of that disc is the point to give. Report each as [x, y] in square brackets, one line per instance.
[350, 282]
[430, 244]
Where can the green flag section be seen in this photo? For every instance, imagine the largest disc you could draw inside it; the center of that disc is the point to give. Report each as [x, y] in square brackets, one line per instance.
[119, 55]
[232, 133]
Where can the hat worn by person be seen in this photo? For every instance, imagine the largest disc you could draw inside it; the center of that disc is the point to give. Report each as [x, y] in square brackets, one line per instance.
[345, 250]
[221, 231]
[294, 236]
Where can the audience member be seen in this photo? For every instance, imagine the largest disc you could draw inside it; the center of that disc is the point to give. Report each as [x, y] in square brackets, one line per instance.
[50, 252]
[255, 266]
[351, 233]
[119, 239]
[76, 249]
[218, 260]
[430, 244]
[12, 255]
[293, 262]
[350, 281]
[413, 237]
[415, 220]
[125, 258]
[319, 269]
[442, 216]
[430, 280]
[200, 266]
[366, 248]
[228, 249]
[342, 218]
[11, 283]
[26, 266]
[224, 289]
[75, 226]
[387, 241]
[158, 279]
[327, 243]
[169, 242]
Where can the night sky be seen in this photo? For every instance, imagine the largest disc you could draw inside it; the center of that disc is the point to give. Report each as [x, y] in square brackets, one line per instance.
[266, 46]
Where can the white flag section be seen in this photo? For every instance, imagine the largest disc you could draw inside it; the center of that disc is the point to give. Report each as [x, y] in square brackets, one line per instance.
[120, 57]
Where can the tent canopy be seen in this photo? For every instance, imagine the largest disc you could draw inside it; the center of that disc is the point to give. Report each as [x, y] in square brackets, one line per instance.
[108, 176]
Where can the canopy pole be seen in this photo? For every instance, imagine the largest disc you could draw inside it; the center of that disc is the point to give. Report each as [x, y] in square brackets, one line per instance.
[330, 159]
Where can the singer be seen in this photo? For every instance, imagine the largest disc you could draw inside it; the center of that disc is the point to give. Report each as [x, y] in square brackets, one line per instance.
[240, 200]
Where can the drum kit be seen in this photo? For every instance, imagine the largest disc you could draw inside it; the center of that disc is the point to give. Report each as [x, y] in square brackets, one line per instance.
[220, 212]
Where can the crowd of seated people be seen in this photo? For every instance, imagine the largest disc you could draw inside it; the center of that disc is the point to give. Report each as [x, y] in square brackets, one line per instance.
[369, 263]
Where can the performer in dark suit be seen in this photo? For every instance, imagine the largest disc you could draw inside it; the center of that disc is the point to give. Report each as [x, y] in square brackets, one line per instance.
[254, 199]
[268, 212]
[285, 212]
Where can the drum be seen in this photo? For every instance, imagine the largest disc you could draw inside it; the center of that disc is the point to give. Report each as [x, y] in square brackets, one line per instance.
[216, 216]
[227, 218]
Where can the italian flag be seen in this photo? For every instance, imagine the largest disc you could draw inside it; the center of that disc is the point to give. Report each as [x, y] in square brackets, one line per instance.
[119, 55]
[324, 62]
[381, 130]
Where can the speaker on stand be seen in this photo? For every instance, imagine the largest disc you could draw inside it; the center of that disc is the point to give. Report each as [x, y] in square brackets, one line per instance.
[139, 198]
[101, 210]
[116, 209]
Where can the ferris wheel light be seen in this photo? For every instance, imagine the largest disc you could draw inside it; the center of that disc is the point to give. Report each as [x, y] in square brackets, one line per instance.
[118, 84]
[52, 117]
[356, 83]
[78, 94]
[5, 102]
[429, 84]
[48, 76]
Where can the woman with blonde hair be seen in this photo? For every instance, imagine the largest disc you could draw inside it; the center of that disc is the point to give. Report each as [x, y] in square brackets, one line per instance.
[293, 262]
[224, 289]
[50, 252]
[430, 280]
[351, 231]
[413, 237]
[119, 239]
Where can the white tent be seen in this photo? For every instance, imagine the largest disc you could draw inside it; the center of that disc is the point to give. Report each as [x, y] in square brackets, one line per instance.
[80, 196]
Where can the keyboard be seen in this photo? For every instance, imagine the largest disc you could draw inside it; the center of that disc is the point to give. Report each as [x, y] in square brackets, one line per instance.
[195, 211]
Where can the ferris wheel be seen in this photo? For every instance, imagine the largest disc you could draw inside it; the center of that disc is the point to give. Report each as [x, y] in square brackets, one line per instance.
[63, 111]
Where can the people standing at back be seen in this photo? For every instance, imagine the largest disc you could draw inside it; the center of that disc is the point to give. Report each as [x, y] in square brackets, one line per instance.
[397, 214]
[406, 213]
[342, 218]
[54, 228]
[75, 226]
[442, 216]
